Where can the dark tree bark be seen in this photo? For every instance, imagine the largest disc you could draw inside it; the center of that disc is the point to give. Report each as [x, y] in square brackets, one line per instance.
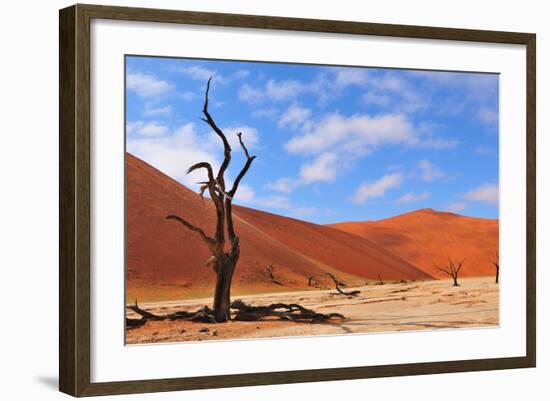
[452, 270]
[222, 294]
[222, 262]
[496, 263]
[293, 312]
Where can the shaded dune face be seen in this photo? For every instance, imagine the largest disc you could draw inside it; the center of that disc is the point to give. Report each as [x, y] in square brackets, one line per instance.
[165, 261]
[428, 238]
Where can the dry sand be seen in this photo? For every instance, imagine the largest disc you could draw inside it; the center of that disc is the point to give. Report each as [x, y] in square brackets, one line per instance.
[419, 305]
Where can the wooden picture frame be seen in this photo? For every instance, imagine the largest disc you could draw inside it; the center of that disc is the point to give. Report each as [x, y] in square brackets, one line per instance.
[74, 204]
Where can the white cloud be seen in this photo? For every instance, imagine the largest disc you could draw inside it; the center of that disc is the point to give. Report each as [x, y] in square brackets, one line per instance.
[268, 113]
[376, 99]
[241, 74]
[133, 126]
[146, 128]
[284, 184]
[294, 116]
[411, 197]
[152, 129]
[303, 211]
[275, 201]
[250, 94]
[174, 154]
[484, 150]
[322, 169]
[487, 193]
[471, 92]
[355, 134]
[456, 207]
[277, 91]
[146, 85]
[378, 188]
[157, 111]
[200, 73]
[244, 194]
[432, 142]
[429, 171]
[487, 115]
[283, 90]
[351, 76]
[188, 96]
[249, 136]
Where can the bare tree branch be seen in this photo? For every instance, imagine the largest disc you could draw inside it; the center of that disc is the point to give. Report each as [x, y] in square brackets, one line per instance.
[206, 166]
[249, 160]
[452, 270]
[445, 270]
[226, 147]
[292, 312]
[240, 135]
[204, 315]
[209, 241]
[338, 283]
[269, 272]
[231, 193]
[229, 218]
[460, 265]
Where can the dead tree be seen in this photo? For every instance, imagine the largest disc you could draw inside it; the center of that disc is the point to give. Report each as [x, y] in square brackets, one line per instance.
[292, 312]
[270, 275]
[204, 315]
[380, 281]
[452, 270]
[223, 262]
[496, 263]
[338, 283]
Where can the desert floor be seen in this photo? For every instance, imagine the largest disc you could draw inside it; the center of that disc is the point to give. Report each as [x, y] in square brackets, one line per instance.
[419, 305]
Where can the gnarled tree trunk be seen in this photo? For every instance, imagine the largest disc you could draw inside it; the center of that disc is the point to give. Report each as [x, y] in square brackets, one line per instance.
[222, 296]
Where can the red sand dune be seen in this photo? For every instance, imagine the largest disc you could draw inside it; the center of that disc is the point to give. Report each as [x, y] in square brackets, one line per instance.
[165, 261]
[426, 237]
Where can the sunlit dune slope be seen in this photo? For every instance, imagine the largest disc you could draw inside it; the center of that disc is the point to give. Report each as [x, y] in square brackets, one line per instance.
[427, 238]
[166, 261]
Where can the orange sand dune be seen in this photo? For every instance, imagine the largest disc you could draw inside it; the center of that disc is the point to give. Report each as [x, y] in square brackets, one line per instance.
[166, 261]
[426, 237]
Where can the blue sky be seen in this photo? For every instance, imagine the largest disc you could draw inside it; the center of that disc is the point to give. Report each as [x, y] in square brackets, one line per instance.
[332, 143]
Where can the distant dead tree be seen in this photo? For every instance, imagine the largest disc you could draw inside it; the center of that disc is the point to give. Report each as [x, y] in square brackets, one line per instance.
[311, 282]
[338, 283]
[222, 262]
[269, 272]
[452, 270]
[380, 281]
[496, 263]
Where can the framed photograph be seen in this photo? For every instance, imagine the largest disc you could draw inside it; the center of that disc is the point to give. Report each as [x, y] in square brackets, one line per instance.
[250, 200]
